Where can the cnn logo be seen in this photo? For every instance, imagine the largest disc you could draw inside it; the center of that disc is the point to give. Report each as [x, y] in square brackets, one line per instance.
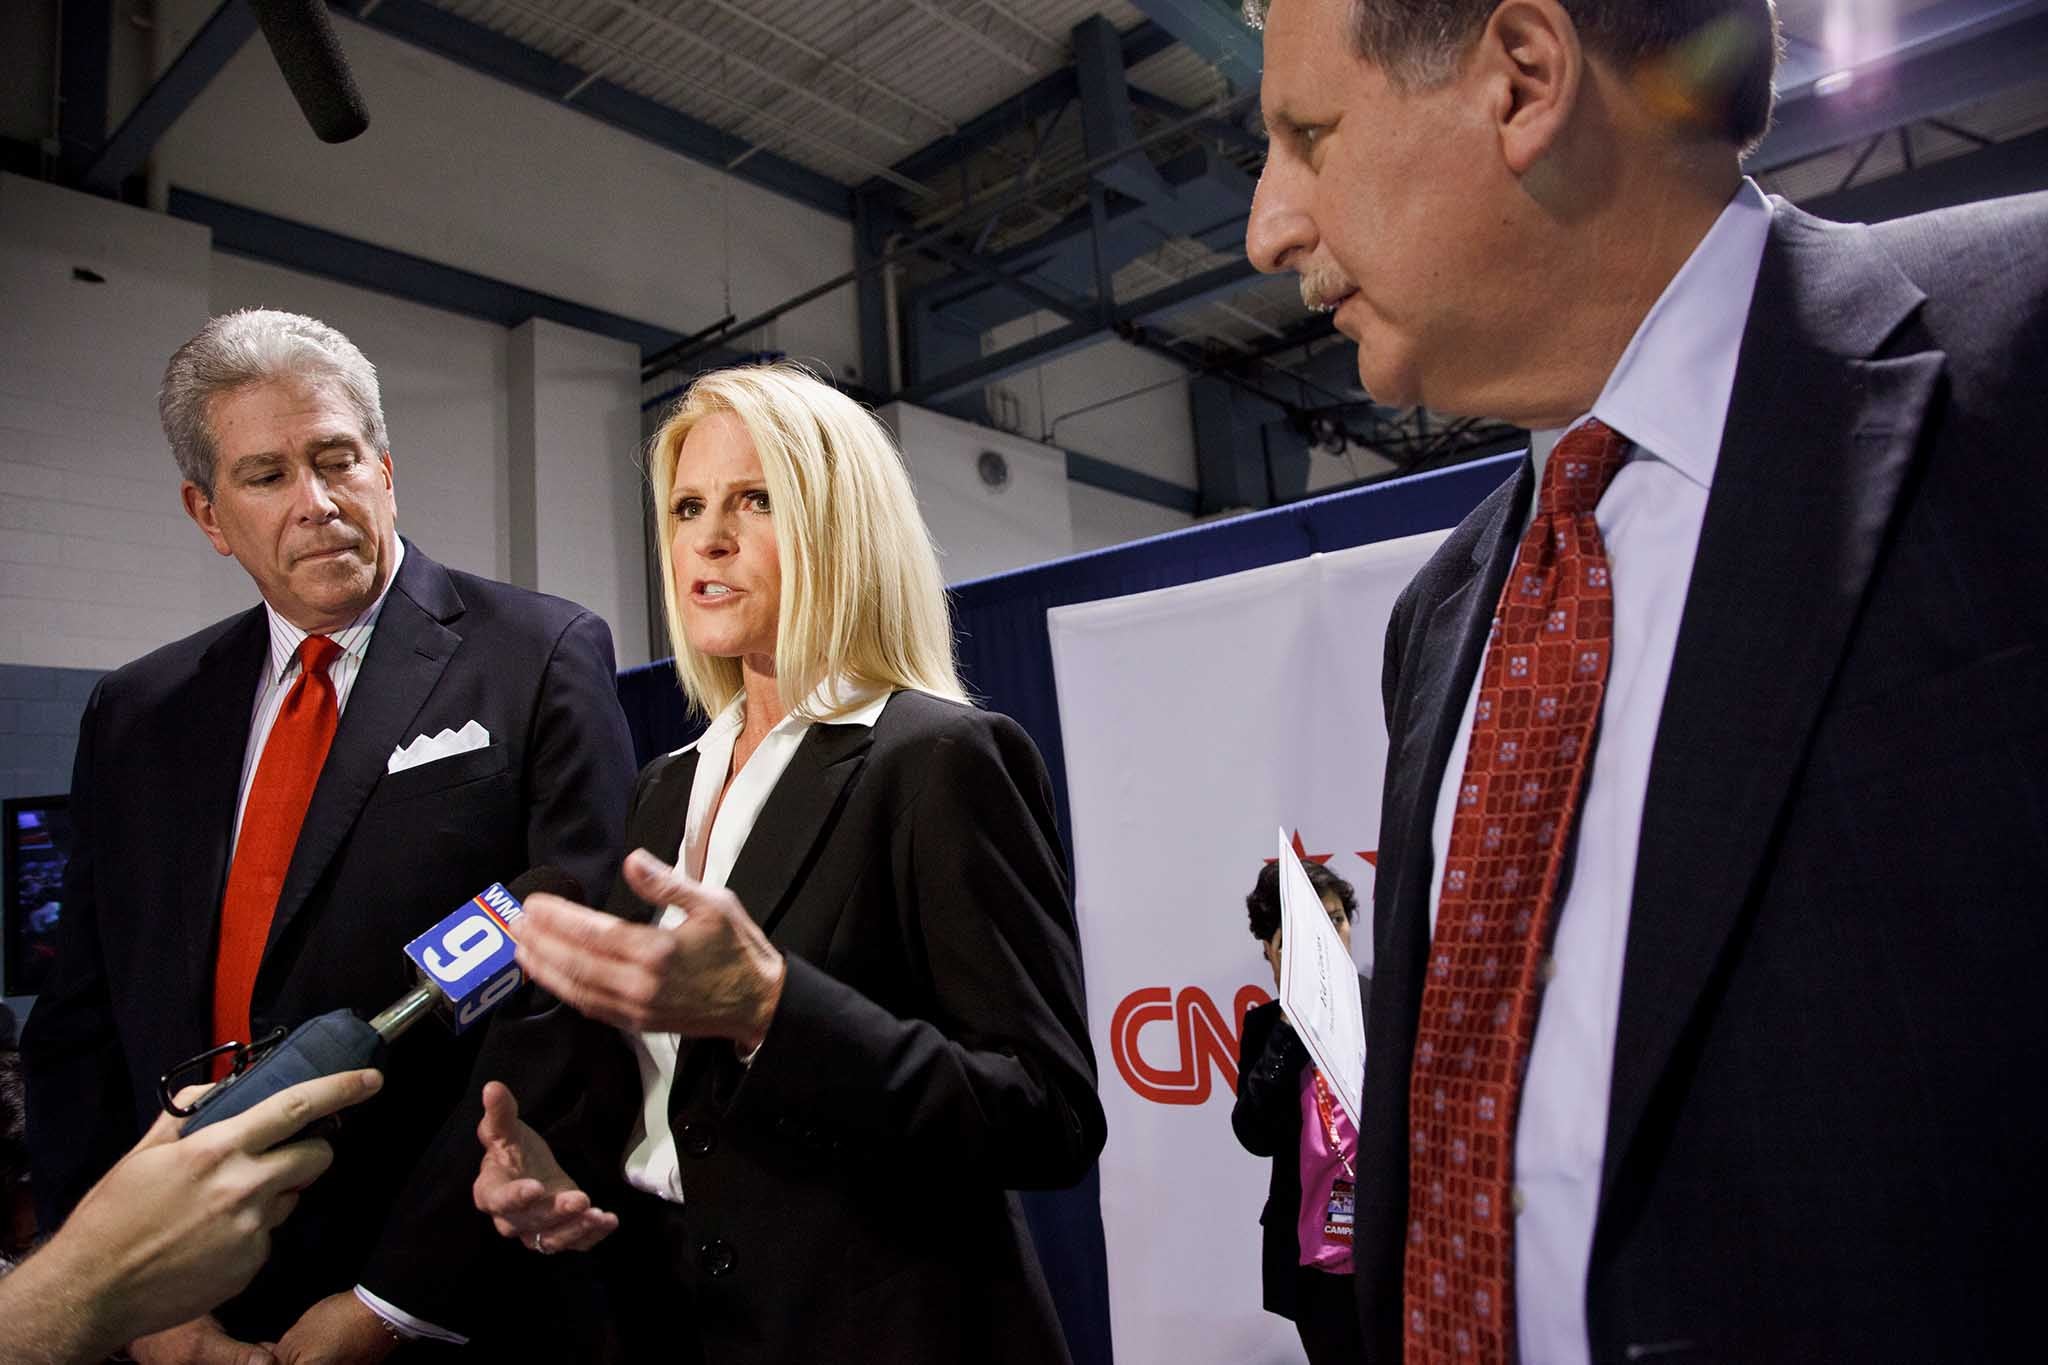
[1205, 1043]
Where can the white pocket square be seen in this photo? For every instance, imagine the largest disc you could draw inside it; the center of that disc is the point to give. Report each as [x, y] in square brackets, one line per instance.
[434, 748]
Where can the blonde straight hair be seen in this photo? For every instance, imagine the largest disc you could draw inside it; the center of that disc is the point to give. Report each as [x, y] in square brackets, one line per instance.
[863, 601]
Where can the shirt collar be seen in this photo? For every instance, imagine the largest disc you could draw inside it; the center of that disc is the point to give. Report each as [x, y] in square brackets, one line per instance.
[1669, 392]
[727, 722]
[354, 638]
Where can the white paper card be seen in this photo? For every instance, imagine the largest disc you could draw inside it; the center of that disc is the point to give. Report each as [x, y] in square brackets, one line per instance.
[1319, 984]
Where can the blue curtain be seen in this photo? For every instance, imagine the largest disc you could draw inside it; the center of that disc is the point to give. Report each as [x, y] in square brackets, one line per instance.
[1006, 661]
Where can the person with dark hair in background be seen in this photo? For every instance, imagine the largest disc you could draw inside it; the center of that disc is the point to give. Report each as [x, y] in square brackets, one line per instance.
[267, 811]
[1706, 1016]
[1285, 1111]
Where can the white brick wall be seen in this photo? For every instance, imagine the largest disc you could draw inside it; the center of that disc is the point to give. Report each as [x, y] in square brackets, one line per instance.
[979, 530]
[98, 562]
[575, 483]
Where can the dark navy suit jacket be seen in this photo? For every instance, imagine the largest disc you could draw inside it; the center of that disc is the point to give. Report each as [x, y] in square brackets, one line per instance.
[380, 858]
[1826, 1127]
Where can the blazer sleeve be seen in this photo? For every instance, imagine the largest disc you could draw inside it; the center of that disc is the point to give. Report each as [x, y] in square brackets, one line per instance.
[1267, 1115]
[579, 766]
[579, 782]
[1396, 642]
[1001, 1078]
[78, 1098]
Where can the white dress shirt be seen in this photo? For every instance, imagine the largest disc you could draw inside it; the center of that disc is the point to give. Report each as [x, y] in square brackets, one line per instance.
[709, 849]
[1669, 396]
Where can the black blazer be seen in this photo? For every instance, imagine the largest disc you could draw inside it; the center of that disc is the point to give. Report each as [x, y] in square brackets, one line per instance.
[379, 859]
[1825, 1126]
[847, 1196]
[1267, 1121]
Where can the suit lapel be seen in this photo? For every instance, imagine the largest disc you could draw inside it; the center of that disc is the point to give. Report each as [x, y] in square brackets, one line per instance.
[778, 855]
[792, 825]
[205, 777]
[1439, 669]
[409, 649]
[657, 824]
[1820, 437]
[1456, 634]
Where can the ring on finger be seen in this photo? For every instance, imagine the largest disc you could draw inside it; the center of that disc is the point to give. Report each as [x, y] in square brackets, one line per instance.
[538, 1245]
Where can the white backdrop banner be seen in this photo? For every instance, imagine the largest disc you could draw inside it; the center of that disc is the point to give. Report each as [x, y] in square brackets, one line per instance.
[1195, 720]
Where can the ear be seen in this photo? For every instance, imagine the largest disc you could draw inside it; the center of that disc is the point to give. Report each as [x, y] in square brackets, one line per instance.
[199, 507]
[1533, 52]
[390, 483]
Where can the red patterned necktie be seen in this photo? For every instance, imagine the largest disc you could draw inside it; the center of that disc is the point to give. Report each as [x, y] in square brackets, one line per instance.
[1544, 674]
[278, 796]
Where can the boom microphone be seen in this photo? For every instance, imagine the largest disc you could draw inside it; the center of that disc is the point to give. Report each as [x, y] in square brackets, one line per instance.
[466, 967]
[301, 37]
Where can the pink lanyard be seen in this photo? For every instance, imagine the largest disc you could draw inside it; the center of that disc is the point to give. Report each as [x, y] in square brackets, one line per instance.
[1324, 1109]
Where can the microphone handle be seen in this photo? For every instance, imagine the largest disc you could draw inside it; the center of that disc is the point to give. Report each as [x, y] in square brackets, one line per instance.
[416, 1004]
[333, 1042]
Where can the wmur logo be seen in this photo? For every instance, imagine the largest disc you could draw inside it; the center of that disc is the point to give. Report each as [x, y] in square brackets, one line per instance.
[1208, 1042]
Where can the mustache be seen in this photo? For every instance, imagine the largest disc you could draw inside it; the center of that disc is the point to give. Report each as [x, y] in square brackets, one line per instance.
[1321, 286]
[326, 547]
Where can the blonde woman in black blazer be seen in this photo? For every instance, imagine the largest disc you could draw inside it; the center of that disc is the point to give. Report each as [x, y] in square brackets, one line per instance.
[805, 1067]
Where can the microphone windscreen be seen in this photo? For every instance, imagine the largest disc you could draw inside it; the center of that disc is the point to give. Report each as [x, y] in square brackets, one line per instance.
[548, 878]
[301, 37]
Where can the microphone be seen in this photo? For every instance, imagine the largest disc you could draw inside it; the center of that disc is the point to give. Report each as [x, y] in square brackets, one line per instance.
[465, 962]
[301, 37]
[466, 968]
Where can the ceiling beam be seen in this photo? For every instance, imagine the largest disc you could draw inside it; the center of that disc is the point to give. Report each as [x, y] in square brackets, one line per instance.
[1044, 96]
[2018, 166]
[1223, 130]
[493, 54]
[188, 75]
[1108, 124]
[350, 260]
[2009, 47]
[1199, 289]
[1216, 31]
[86, 43]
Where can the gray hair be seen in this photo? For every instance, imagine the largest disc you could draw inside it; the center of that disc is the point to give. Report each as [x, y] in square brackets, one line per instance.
[257, 346]
[1726, 51]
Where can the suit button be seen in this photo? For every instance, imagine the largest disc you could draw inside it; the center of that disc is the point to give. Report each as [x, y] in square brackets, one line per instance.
[696, 1140]
[718, 1258]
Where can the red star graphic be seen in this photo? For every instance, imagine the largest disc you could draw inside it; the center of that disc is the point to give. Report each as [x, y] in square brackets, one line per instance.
[1371, 855]
[1301, 852]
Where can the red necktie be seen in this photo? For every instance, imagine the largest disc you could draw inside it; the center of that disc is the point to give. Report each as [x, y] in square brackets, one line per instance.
[1532, 737]
[278, 796]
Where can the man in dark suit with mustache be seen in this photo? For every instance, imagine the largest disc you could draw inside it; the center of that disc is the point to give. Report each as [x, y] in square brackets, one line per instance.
[1706, 1018]
[268, 811]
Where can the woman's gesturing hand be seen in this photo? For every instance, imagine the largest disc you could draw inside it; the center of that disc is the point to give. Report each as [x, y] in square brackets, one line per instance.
[715, 975]
[526, 1193]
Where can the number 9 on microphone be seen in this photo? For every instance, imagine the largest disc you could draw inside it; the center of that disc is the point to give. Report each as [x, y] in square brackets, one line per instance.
[468, 957]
